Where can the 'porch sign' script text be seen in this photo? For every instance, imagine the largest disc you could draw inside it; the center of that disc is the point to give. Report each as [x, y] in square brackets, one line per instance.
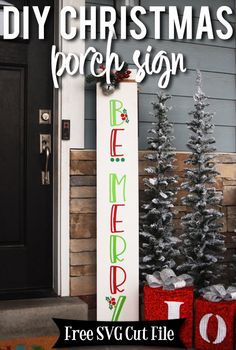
[117, 205]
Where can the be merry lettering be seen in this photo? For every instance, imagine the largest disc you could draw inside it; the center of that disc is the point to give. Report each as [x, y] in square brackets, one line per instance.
[117, 200]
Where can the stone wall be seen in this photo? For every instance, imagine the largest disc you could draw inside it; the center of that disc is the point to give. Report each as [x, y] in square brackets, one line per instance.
[83, 213]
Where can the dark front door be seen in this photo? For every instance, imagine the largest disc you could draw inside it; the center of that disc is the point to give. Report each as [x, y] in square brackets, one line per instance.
[25, 204]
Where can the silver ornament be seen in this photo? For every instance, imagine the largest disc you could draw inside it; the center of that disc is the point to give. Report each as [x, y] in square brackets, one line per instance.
[108, 89]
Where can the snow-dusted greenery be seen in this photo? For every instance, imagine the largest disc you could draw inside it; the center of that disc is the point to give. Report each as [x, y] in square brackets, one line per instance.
[232, 275]
[203, 243]
[158, 245]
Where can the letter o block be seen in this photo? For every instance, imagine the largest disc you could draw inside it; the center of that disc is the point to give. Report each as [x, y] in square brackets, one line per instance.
[214, 325]
[162, 304]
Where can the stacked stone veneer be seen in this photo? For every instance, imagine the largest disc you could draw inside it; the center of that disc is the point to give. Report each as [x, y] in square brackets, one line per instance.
[83, 213]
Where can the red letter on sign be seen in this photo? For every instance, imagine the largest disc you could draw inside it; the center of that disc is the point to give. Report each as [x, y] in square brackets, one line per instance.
[114, 220]
[113, 144]
[114, 286]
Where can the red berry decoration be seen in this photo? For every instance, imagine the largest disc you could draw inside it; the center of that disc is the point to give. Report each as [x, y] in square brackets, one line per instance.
[111, 301]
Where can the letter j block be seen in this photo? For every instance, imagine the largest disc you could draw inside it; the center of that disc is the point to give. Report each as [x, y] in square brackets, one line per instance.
[214, 325]
[162, 304]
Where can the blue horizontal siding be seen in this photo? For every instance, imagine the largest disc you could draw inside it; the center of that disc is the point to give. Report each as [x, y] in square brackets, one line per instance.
[196, 4]
[214, 4]
[219, 59]
[223, 144]
[215, 58]
[179, 112]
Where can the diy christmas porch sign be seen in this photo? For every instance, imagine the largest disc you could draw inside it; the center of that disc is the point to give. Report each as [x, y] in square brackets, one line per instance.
[117, 204]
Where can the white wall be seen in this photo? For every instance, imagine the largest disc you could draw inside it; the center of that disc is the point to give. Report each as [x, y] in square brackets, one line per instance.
[70, 106]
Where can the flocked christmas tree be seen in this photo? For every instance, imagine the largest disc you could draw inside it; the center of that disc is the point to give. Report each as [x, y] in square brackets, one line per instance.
[203, 243]
[232, 272]
[158, 246]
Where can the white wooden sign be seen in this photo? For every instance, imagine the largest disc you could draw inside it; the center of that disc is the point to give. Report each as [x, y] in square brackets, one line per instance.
[117, 205]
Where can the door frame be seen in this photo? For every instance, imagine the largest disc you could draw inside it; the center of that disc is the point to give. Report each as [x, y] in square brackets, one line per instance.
[68, 104]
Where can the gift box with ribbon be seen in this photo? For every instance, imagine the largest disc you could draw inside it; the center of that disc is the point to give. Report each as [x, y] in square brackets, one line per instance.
[167, 296]
[215, 313]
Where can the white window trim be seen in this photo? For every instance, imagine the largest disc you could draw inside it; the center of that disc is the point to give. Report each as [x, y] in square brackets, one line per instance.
[68, 104]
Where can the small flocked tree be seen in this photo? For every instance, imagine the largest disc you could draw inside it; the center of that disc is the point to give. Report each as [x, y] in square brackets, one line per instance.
[203, 244]
[158, 246]
[232, 274]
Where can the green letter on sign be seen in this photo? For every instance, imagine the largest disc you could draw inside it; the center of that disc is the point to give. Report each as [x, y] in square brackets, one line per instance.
[114, 255]
[118, 308]
[116, 106]
[113, 187]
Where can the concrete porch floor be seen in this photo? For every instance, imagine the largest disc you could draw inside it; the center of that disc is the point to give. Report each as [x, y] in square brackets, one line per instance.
[33, 317]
